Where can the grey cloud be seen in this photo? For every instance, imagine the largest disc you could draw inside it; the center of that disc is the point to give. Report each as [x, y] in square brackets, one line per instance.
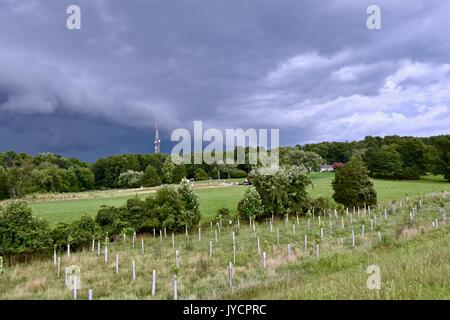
[230, 63]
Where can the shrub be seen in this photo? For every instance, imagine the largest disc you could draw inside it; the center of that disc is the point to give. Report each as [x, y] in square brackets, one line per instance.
[223, 214]
[151, 177]
[109, 220]
[320, 204]
[82, 232]
[20, 232]
[130, 179]
[282, 189]
[200, 174]
[179, 173]
[352, 185]
[251, 204]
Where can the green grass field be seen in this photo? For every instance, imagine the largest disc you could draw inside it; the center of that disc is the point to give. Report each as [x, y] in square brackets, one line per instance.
[412, 257]
[211, 199]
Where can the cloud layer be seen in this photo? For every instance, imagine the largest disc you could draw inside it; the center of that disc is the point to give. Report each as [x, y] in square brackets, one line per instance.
[310, 68]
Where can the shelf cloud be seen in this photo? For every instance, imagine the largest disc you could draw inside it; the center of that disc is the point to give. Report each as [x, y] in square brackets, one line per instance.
[310, 68]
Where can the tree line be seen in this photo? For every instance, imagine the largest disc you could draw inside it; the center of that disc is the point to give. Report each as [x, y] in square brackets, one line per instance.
[391, 157]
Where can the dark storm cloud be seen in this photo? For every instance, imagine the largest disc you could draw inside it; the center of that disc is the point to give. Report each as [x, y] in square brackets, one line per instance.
[310, 68]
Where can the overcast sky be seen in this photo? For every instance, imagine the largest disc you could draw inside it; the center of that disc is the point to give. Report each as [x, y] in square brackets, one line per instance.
[310, 68]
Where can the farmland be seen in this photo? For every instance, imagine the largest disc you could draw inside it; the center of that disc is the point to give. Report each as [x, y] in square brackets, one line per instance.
[214, 196]
[412, 254]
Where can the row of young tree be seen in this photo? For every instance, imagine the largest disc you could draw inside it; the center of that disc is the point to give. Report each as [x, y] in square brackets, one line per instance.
[172, 208]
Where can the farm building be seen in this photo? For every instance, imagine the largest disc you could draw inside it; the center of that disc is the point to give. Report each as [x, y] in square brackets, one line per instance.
[326, 168]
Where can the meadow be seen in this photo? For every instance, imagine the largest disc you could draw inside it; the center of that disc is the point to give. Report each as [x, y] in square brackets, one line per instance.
[411, 251]
[214, 195]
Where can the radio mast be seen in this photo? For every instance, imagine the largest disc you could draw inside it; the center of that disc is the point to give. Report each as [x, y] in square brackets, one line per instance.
[157, 140]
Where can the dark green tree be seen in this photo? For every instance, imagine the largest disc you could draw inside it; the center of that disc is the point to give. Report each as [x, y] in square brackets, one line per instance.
[151, 177]
[352, 185]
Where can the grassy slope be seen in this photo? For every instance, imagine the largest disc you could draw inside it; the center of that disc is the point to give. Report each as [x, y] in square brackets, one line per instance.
[413, 259]
[213, 199]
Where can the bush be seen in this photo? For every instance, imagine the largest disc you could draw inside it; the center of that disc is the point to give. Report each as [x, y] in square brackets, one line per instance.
[223, 214]
[20, 232]
[251, 204]
[236, 173]
[179, 173]
[200, 174]
[130, 179]
[109, 220]
[283, 189]
[151, 177]
[82, 232]
[320, 204]
[352, 185]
